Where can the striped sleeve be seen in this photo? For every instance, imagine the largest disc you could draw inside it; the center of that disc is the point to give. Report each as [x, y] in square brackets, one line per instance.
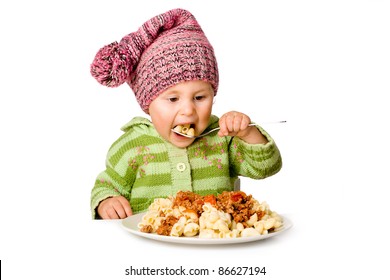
[136, 157]
[257, 161]
[117, 179]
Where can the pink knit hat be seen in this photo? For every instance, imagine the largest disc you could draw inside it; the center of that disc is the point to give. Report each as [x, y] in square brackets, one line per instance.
[166, 50]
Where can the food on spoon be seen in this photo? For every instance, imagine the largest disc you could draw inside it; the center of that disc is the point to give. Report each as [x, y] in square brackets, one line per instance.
[191, 132]
[178, 128]
[185, 129]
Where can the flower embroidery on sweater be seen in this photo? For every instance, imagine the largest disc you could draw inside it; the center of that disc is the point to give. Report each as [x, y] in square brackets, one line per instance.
[239, 156]
[109, 183]
[142, 159]
[204, 148]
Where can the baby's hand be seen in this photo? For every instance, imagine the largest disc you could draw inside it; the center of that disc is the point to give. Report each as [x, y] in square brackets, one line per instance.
[117, 207]
[233, 124]
[237, 124]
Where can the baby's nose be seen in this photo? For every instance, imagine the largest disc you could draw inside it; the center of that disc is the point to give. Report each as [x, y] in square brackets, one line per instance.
[188, 108]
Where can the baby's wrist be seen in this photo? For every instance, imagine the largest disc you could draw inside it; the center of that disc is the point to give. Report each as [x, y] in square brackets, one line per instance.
[253, 136]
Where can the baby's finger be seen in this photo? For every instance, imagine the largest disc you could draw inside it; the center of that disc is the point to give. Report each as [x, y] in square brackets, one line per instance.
[102, 209]
[245, 123]
[129, 211]
[111, 213]
[223, 129]
[126, 207]
[238, 124]
[120, 211]
[103, 214]
[230, 122]
[122, 207]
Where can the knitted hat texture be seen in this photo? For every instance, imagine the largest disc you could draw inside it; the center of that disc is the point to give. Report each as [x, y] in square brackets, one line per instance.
[168, 49]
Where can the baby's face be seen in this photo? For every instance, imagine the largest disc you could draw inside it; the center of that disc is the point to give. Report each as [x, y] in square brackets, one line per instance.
[187, 103]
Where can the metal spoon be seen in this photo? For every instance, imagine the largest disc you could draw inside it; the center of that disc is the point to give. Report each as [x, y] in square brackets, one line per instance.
[214, 129]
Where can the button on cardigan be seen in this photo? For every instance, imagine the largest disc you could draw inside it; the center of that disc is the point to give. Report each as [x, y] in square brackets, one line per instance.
[142, 166]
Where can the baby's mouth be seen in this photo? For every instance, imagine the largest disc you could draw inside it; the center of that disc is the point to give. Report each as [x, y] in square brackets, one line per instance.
[185, 129]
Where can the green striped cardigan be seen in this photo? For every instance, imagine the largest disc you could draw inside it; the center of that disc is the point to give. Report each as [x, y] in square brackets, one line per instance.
[142, 166]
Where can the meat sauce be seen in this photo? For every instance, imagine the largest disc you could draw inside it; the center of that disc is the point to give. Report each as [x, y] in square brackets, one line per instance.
[236, 203]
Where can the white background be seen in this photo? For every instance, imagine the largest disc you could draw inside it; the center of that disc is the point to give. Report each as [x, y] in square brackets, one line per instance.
[323, 66]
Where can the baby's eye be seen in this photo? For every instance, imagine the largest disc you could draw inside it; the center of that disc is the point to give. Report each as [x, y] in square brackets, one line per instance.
[199, 97]
[173, 99]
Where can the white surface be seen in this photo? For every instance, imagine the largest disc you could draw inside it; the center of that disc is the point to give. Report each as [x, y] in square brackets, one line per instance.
[131, 224]
[321, 65]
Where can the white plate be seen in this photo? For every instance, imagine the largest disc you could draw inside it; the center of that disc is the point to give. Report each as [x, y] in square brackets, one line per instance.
[131, 225]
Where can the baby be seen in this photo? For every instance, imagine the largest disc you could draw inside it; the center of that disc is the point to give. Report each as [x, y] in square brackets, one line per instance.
[171, 68]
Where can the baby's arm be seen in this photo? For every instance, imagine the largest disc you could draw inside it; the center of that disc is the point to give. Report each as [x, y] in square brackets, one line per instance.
[237, 124]
[117, 207]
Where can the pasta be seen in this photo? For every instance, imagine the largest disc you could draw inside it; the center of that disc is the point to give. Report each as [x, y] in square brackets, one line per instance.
[177, 230]
[252, 220]
[185, 129]
[191, 229]
[247, 232]
[228, 215]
